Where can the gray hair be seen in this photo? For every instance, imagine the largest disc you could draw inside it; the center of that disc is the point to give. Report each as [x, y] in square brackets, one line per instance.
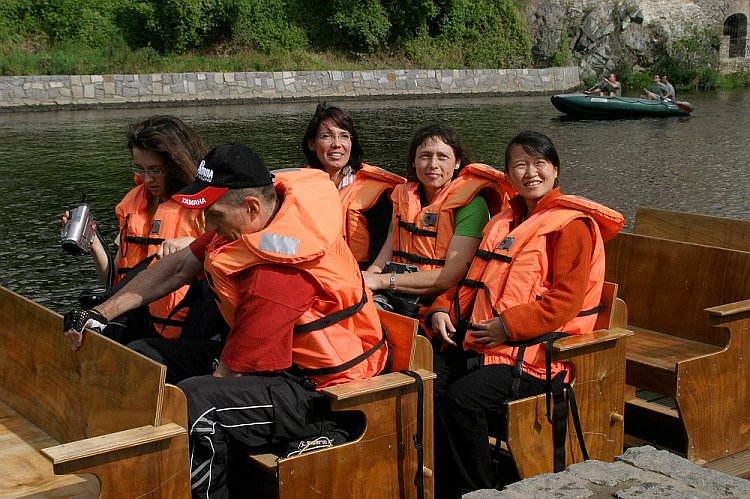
[266, 194]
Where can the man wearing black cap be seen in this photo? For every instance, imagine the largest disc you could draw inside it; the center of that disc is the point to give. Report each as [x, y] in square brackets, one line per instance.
[291, 291]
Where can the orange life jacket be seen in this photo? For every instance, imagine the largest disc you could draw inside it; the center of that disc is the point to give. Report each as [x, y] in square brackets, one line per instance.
[512, 268]
[340, 335]
[369, 184]
[140, 237]
[421, 235]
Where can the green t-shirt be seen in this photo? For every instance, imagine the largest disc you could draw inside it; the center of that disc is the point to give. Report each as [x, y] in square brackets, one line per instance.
[470, 219]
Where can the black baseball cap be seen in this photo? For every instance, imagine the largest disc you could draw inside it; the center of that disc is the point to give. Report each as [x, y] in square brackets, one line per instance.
[228, 166]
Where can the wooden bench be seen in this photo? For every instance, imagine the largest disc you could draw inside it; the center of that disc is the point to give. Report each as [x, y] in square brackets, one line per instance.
[382, 461]
[693, 228]
[688, 306]
[599, 381]
[99, 422]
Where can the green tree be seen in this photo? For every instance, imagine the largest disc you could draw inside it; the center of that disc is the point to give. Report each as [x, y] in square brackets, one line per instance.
[490, 32]
[694, 59]
[361, 24]
[408, 19]
[17, 20]
[263, 24]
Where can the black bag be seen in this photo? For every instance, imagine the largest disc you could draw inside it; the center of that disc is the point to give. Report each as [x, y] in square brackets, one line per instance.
[393, 301]
[204, 320]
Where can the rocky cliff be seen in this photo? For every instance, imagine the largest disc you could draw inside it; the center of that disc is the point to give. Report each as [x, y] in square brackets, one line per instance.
[608, 35]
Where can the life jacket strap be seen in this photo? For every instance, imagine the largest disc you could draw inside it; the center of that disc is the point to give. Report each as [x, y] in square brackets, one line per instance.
[557, 391]
[335, 317]
[418, 435]
[324, 322]
[410, 227]
[412, 258]
[323, 371]
[591, 311]
[167, 321]
[489, 255]
[144, 241]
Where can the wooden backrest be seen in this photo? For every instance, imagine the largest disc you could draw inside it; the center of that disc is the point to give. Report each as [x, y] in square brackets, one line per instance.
[101, 388]
[668, 284]
[605, 316]
[693, 228]
[402, 331]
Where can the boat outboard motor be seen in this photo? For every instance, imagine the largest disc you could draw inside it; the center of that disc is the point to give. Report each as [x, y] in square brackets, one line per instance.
[78, 234]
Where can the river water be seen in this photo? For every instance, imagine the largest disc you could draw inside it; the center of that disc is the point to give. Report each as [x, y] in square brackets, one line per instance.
[47, 160]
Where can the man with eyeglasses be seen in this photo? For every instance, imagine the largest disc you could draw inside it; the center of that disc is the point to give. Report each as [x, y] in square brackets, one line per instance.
[658, 90]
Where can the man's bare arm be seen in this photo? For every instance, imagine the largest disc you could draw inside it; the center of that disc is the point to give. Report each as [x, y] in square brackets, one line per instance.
[166, 275]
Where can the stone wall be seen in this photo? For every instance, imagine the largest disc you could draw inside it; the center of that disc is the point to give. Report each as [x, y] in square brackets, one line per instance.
[92, 91]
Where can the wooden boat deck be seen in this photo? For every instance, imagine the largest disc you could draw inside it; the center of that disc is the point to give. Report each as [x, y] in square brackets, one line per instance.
[29, 474]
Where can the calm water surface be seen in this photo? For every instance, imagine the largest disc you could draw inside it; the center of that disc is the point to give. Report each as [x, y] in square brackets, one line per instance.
[47, 160]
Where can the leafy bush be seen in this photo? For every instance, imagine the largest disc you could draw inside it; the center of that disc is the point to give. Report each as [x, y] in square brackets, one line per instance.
[694, 60]
[561, 57]
[264, 25]
[17, 20]
[734, 80]
[105, 36]
[88, 23]
[425, 52]
[362, 24]
[491, 32]
[410, 20]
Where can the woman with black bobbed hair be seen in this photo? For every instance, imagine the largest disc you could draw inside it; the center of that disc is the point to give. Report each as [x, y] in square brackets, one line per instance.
[539, 269]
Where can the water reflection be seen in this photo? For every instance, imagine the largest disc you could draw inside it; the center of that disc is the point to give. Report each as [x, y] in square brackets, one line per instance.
[695, 164]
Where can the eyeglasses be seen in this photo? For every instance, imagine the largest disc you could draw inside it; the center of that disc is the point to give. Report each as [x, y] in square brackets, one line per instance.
[329, 137]
[155, 173]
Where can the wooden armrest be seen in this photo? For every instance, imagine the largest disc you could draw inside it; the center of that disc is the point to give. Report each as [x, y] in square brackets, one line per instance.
[584, 340]
[727, 309]
[374, 384]
[110, 443]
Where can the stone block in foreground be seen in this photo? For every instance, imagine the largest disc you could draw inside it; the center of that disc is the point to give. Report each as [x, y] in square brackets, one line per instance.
[640, 472]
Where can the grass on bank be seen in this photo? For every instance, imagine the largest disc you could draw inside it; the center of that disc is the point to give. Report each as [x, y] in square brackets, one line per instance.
[70, 59]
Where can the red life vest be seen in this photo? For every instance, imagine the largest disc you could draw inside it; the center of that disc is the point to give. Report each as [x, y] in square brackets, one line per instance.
[512, 268]
[369, 184]
[306, 233]
[140, 237]
[421, 235]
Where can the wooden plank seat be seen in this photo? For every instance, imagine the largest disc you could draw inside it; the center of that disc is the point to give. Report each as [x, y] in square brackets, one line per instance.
[382, 461]
[599, 380]
[693, 228]
[99, 422]
[688, 307]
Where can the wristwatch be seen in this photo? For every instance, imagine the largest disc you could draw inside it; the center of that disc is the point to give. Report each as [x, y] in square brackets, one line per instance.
[392, 282]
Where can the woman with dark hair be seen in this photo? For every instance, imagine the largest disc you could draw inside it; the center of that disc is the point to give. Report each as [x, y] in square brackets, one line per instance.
[331, 144]
[165, 153]
[539, 269]
[438, 217]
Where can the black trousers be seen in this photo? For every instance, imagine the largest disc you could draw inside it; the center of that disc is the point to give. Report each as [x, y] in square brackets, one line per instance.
[184, 358]
[248, 411]
[468, 404]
